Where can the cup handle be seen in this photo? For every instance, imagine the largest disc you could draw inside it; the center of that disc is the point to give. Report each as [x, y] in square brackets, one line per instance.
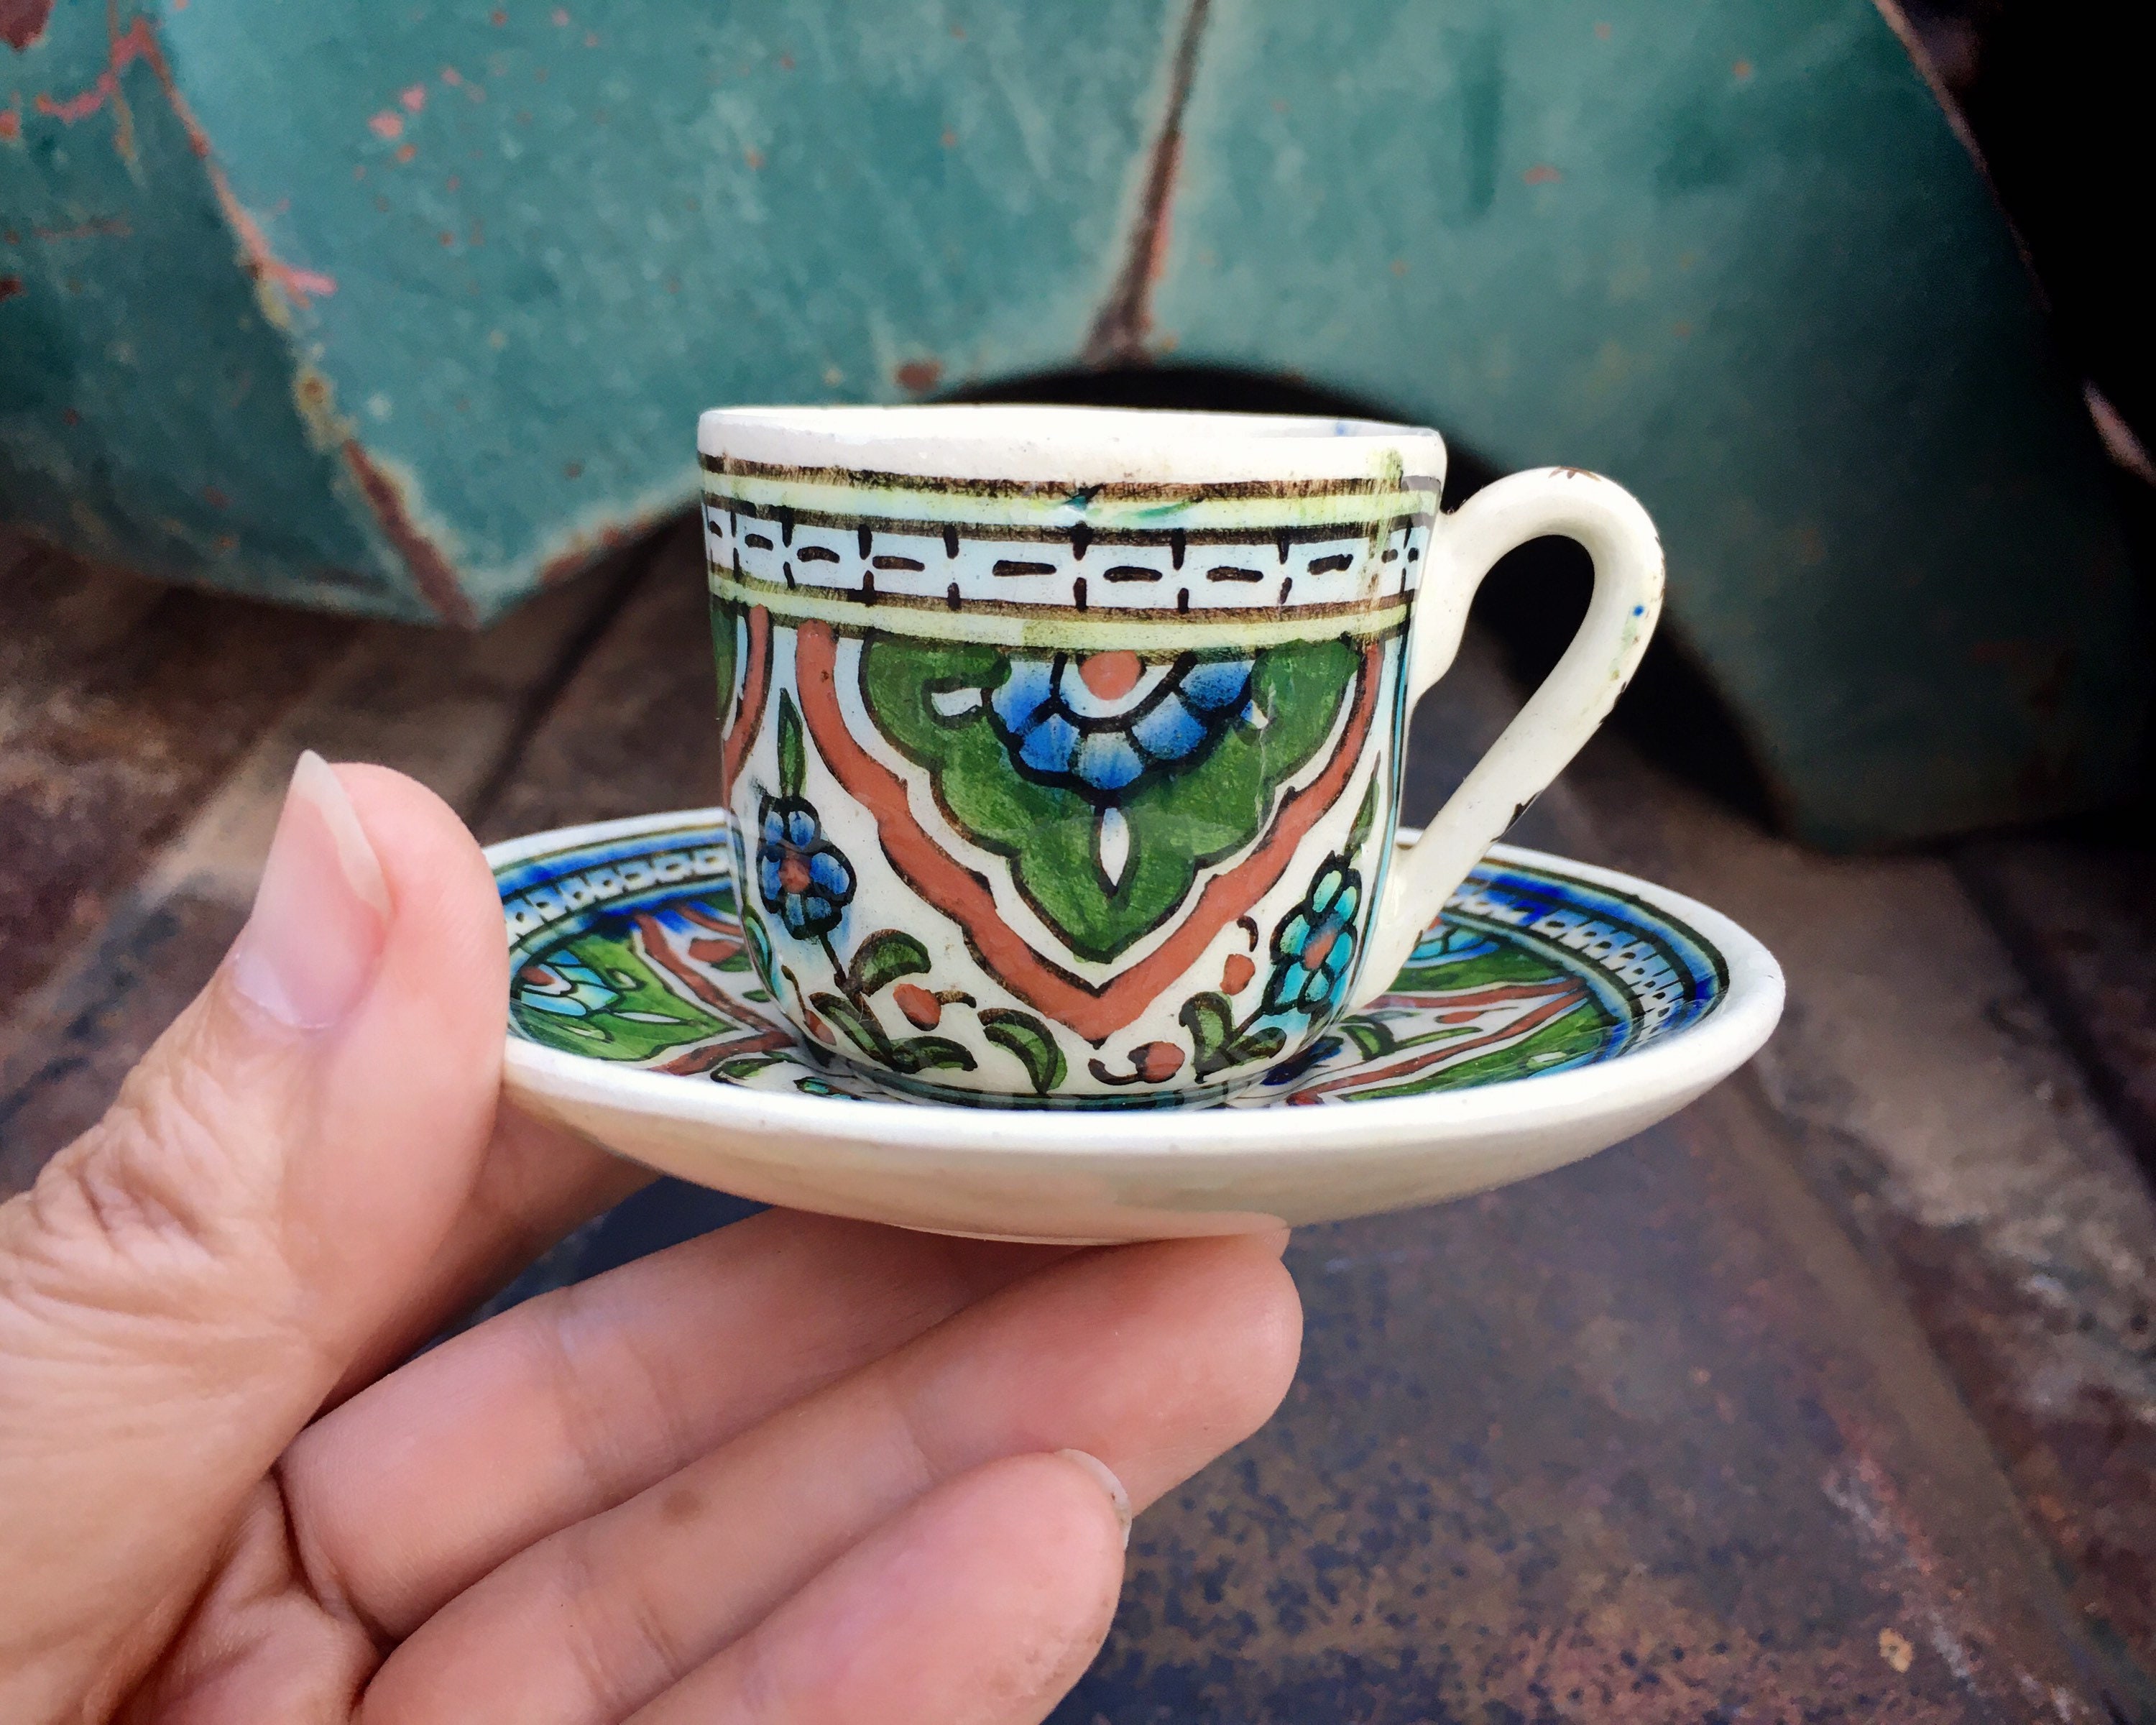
[1558, 718]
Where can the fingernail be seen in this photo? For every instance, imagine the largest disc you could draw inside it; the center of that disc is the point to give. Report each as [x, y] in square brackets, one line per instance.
[315, 936]
[1105, 1477]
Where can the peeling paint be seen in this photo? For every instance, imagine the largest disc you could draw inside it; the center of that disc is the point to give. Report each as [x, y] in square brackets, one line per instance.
[431, 570]
[280, 286]
[23, 22]
[919, 376]
[135, 42]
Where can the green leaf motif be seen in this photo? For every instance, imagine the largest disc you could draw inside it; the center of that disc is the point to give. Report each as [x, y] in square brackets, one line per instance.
[1369, 1035]
[1360, 834]
[917, 1053]
[1211, 1022]
[1025, 1036]
[645, 1018]
[883, 958]
[1216, 1044]
[793, 759]
[863, 1031]
[1178, 824]
[746, 1066]
[725, 651]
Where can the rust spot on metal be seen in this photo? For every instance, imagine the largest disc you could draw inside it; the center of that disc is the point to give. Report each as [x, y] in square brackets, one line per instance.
[1542, 174]
[430, 568]
[919, 375]
[10, 286]
[1119, 332]
[2082, 1454]
[22, 21]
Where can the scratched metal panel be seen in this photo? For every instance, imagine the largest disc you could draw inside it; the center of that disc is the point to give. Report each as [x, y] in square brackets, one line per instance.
[408, 309]
[1733, 256]
[516, 249]
[147, 413]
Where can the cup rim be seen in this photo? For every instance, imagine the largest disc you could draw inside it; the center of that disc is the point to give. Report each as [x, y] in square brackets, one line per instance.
[1036, 443]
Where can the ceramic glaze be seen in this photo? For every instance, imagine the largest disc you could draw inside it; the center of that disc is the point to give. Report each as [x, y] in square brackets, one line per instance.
[633, 949]
[1552, 1010]
[1064, 746]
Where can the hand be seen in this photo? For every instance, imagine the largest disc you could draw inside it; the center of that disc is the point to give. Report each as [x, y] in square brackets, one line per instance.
[798, 1470]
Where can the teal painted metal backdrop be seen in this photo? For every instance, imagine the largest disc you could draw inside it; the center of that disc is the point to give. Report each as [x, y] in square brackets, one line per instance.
[409, 310]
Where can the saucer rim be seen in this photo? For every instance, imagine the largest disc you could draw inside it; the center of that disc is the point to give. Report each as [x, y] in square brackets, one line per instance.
[1679, 1066]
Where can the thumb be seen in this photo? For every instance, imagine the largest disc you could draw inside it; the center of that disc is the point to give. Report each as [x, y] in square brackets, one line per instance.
[186, 1280]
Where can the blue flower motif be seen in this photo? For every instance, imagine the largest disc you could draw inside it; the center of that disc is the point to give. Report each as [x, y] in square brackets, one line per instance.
[1100, 722]
[803, 878]
[1314, 949]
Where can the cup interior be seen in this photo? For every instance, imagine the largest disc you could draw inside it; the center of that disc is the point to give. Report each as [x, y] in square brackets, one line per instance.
[1031, 443]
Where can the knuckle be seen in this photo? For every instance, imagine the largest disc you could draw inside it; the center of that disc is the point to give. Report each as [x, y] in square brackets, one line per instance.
[154, 1209]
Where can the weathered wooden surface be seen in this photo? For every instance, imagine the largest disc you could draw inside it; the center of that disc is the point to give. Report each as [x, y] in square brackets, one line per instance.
[1640, 1440]
[1933, 1101]
[448, 710]
[631, 731]
[122, 704]
[1800, 1406]
[2081, 920]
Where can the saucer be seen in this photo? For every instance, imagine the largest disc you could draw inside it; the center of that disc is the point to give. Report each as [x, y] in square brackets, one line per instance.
[1552, 1010]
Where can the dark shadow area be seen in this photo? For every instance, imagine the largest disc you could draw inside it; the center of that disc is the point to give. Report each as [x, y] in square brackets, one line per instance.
[1532, 603]
[1671, 713]
[2054, 93]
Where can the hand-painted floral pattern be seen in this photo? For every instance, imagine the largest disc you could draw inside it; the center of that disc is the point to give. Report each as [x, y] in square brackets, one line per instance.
[1314, 949]
[1505, 987]
[565, 987]
[804, 879]
[1097, 723]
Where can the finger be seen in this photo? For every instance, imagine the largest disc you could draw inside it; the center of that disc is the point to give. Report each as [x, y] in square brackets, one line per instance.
[185, 1282]
[536, 1183]
[1154, 1359]
[979, 1605]
[580, 1398]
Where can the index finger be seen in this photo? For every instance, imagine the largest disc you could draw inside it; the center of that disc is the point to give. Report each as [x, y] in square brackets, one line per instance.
[575, 1401]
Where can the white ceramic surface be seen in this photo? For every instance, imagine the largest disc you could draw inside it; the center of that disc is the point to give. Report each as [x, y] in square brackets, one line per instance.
[1091, 722]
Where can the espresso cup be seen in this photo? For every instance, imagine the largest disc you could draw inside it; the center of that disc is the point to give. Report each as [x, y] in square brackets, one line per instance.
[1063, 745]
